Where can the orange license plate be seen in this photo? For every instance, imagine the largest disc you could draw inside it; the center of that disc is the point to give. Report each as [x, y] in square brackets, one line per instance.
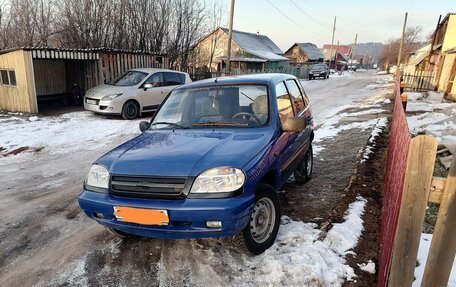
[141, 215]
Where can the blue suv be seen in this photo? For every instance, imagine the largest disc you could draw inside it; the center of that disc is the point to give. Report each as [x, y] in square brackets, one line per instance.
[208, 164]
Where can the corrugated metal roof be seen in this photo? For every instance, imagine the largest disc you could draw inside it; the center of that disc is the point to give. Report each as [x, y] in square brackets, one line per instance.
[311, 50]
[258, 45]
[89, 50]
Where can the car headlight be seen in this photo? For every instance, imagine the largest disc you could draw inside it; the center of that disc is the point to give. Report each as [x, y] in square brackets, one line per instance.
[216, 180]
[98, 177]
[111, 97]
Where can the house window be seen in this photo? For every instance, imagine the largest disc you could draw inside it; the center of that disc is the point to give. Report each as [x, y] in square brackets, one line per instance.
[8, 77]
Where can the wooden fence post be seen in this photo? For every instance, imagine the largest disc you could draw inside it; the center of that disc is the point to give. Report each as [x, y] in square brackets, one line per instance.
[443, 245]
[417, 183]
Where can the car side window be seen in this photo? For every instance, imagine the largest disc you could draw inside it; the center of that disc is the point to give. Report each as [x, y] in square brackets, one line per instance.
[303, 92]
[283, 102]
[157, 80]
[173, 79]
[296, 96]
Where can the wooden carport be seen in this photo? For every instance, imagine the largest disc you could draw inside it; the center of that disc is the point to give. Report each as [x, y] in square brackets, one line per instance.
[44, 74]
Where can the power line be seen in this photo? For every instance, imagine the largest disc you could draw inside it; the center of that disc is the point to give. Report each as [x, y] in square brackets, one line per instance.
[308, 15]
[291, 20]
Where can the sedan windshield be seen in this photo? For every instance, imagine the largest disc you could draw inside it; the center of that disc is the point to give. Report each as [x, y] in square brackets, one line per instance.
[221, 106]
[130, 78]
[319, 66]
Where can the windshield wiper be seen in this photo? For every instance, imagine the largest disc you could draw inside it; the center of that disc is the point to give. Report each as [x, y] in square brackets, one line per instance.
[169, 123]
[221, 124]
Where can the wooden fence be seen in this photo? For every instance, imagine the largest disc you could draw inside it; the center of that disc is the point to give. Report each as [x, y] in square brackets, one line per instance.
[413, 187]
[420, 81]
[301, 72]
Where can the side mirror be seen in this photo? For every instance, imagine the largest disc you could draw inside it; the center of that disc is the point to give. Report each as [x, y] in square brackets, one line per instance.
[147, 86]
[143, 126]
[294, 124]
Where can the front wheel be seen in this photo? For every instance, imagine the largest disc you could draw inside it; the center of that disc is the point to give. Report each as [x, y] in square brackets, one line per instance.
[130, 110]
[264, 222]
[304, 172]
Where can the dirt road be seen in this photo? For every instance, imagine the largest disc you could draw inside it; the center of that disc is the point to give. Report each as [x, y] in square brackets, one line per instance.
[45, 239]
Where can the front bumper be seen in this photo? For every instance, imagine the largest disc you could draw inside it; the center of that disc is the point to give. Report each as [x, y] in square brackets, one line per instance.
[104, 107]
[187, 217]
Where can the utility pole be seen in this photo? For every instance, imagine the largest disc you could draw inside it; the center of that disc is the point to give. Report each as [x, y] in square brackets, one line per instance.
[230, 36]
[433, 41]
[332, 43]
[352, 50]
[402, 41]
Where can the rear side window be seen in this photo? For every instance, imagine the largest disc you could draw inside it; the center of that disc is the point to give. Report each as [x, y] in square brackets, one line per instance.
[283, 102]
[174, 79]
[296, 96]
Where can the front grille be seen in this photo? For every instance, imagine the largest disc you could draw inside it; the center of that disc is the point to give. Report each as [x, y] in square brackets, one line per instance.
[149, 187]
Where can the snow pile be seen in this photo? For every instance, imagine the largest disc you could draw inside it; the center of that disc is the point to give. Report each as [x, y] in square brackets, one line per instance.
[337, 74]
[63, 133]
[379, 126]
[423, 251]
[440, 125]
[297, 258]
[343, 236]
[368, 267]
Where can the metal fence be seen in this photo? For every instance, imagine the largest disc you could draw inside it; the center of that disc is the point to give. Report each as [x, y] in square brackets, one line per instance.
[420, 81]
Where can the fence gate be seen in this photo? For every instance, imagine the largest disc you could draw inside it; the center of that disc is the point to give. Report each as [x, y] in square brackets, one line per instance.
[420, 81]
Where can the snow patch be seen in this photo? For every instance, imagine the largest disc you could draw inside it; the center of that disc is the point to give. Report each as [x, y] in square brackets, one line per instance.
[423, 251]
[63, 133]
[437, 124]
[297, 258]
[344, 236]
[378, 128]
[368, 267]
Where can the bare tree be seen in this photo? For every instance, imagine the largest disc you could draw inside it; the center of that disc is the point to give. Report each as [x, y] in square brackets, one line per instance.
[170, 26]
[412, 41]
[85, 23]
[188, 18]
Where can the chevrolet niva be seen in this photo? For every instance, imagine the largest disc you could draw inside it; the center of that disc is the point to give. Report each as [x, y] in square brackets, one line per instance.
[208, 164]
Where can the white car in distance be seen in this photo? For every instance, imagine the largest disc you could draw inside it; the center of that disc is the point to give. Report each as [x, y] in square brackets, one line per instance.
[135, 92]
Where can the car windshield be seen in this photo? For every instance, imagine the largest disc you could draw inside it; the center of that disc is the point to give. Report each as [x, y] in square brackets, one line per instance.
[241, 106]
[319, 66]
[129, 78]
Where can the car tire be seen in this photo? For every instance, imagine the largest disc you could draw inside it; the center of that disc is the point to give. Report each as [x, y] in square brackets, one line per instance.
[261, 231]
[130, 110]
[304, 172]
[310, 78]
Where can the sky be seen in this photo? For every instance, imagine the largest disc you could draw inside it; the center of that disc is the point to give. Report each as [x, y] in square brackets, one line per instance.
[312, 20]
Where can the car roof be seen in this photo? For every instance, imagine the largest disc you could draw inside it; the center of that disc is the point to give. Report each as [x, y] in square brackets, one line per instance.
[262, 79]
[154, 70]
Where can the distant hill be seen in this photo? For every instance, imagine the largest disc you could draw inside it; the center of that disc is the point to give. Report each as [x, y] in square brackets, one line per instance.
[373, 50]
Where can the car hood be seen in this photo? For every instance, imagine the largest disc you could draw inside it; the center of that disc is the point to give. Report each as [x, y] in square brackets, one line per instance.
[185, 152]
[102, 90]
